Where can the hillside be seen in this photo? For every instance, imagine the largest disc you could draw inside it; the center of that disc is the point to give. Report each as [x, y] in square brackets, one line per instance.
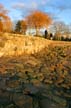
[16, 44]
[12, 44]
[37, 66]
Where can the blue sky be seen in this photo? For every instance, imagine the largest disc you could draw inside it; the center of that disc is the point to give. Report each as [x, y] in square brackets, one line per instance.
[58, 9]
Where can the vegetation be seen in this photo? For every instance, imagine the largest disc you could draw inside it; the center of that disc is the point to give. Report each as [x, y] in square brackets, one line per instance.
[21, 27]
[35, 21]
[61, 31]
[18, 27]
[5, 21]
[37, 78]
[40, 79]
[38, 20]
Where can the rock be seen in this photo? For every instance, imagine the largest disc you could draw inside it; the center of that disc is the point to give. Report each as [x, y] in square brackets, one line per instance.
[22, 101]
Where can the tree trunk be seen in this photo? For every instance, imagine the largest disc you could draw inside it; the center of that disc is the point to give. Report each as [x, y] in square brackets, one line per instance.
[37, 31]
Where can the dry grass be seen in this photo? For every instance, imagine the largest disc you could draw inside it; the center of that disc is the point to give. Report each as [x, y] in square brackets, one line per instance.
[50, 66]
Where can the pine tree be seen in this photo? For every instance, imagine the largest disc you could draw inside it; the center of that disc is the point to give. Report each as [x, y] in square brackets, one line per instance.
[18, 27]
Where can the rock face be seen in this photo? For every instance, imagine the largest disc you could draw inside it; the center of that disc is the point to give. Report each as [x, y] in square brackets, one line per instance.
[19, 44]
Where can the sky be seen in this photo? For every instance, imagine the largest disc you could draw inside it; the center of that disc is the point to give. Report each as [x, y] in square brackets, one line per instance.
[58, 9]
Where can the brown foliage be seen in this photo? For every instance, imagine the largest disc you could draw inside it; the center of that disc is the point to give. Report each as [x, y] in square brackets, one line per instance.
[1, 26]
[23, 26]
[38, 20]
[5, 23]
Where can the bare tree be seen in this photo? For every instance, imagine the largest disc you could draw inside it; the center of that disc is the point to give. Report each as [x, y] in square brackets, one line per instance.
[59, 28]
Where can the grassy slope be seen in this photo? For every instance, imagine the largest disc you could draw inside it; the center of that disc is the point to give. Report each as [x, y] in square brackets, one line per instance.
[51, 66]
